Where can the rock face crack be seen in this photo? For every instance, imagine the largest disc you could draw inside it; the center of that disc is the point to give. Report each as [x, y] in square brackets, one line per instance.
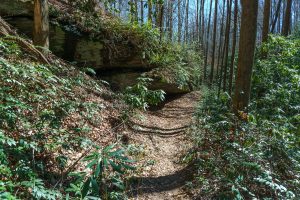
[163, 132]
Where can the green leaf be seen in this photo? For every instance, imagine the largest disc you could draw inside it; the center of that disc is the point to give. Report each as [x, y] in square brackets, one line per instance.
[116, 167]
[91, 164]
[95, 186]
[98, 169]
[86, 187]
[115, 153]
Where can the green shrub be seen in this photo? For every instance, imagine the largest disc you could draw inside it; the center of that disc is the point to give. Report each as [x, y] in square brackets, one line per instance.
[139, 96]
[36, 103]
[108, 167]
[257, 157]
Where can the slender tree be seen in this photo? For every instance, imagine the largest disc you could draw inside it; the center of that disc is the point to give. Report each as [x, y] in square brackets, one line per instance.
[287, 19]
[207, 42]
[214, 43]
[41, 23]
[142, 11]
[235, 25]
[170, 9]
[179, 4]
[246, 55]
[187, 6]
[221, 38]
[150, 11]
[160, 17]
[203, 22]
[277, 12]
[227, 39]
[197, 20]
[266, 22]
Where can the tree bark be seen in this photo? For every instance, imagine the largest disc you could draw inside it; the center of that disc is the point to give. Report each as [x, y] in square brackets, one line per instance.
[203, 23]
[277, 12]
[41, 23]
[287, 18]
[207, 42]
[150, 11]
[142, 11]
[214, 43]
[227, 39]
[266, 22]
[186, 21]
[197, 20]
[170, 20]
[221, 39]
[179, 20]
[235, 21]
[246, 55]
[160, 19]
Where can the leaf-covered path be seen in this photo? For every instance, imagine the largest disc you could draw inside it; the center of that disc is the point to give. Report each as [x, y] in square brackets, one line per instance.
[163, 132]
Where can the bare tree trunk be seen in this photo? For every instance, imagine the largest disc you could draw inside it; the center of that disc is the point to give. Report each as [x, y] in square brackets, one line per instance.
[197, 20]
[142, 11]
[203, 24]
[277, 12]
[246, 55]
[41, 23]
[235, 21]
[179, 21]
[220, 39]
[200, 21]
[150, 11]
[170, 20]
[161, 20]
[186, 21]
[214, 43]
[266, 22]
[227, 36]
[287, 18]
[207, 42]
[136, 10]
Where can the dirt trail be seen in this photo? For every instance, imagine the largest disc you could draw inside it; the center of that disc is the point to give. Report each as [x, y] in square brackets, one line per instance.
[163, 133]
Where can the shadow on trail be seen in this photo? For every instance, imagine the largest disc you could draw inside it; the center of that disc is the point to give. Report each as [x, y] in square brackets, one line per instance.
[161, 132]
[169, 122]
[172, 112]
[146, 185]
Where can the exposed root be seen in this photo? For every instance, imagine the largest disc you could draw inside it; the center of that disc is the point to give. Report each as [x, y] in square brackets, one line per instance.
[9, 33]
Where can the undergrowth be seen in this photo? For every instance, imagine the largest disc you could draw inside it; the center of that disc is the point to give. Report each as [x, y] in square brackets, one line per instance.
[47, 115]
[257, 157]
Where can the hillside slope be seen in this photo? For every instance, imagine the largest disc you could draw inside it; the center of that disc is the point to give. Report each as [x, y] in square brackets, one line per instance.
[50, 114]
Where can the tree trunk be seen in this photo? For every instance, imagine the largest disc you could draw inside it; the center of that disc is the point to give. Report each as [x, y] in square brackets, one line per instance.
[227, 39]
[207, 42]
[179, 21]
[246, 55]
[136, 10]
[214, 43]
[41, 23]
[186, 21]
[266, 22]
[160, 18]
[287, 18]
[277, 12]
[197, 20]
[203, 23]
[170, 20]
[233, 46]
[221, 39]
[150, 11]
[142, 11]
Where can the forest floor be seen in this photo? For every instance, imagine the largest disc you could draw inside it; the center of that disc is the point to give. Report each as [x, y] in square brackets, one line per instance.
[163, 134]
